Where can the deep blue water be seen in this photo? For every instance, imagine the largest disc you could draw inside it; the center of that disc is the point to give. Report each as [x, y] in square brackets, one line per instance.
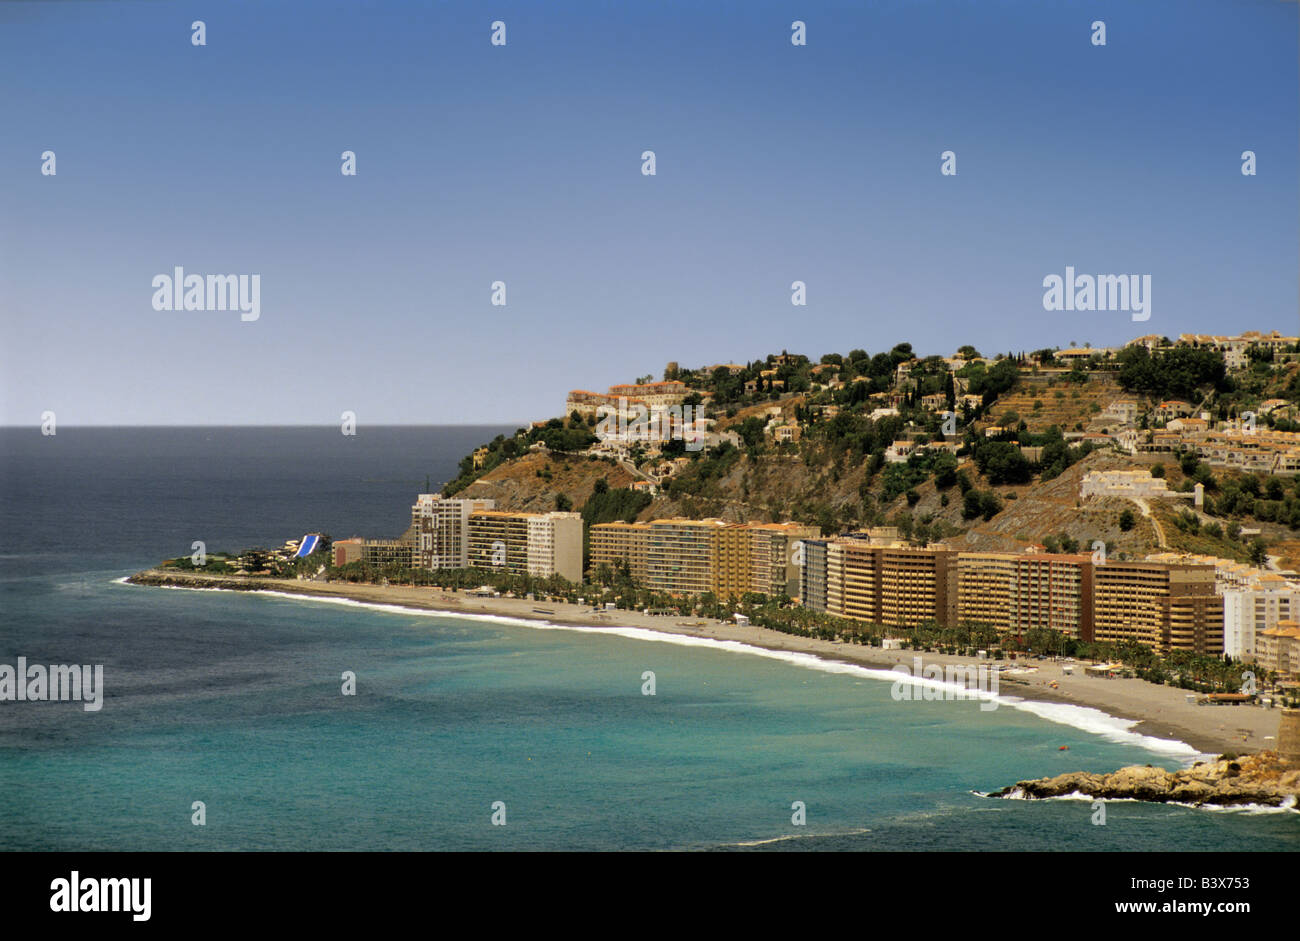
[234, 700]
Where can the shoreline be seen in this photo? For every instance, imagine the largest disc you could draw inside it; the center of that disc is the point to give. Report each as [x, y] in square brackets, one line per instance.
[1160, 712]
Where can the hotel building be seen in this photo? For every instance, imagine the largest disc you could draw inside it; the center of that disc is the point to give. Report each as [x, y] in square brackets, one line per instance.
[1164, 606]
[441, 530]
[1250, 610]
[537, 544]
[614, 543]
[1018, 592]
[894, 586]
[679, 557]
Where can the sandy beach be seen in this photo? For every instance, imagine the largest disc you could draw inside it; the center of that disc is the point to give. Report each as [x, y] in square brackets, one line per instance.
[1160, 711]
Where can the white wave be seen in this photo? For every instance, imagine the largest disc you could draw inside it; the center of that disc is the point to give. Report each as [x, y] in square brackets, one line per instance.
[797, 836]
[1084, 718]
[1287, 806]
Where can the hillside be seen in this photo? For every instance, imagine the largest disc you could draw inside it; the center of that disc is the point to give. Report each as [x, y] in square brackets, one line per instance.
[532, 482]
[861, 440]
[1043, 510]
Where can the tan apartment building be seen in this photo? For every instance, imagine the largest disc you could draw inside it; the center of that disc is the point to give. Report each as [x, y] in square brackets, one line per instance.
[555, 545]
[895, 586]
[774, 568]
[613, 543]
[679, 558]
[536, 544]
[1278, 650]
[851, 580]
[733, 562]
[1166, 607]
[1018, 592]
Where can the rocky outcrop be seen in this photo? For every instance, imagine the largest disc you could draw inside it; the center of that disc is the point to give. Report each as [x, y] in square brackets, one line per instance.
[1261, 779]
[195, 580]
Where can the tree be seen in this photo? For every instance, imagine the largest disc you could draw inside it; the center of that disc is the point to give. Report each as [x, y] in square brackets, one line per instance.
[1258, 552]
[1002, 463]
[990, 505]
[1126, 521]
[945, 470]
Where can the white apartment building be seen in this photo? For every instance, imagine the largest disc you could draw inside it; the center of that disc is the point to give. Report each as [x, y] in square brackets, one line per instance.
[555, 545]
[441, 529]
[1120, 483]
[1247, 612]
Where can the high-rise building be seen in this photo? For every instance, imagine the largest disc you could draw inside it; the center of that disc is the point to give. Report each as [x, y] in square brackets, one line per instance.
[441, 530]
[732, 561]
[813, 575]
[537, 544]
[1164, 606]
[1018, 592]
[679, 557]
[774, 568]
[894, 586]
[498, 539]
[1249, 611]
[555, 545]
[615, 543]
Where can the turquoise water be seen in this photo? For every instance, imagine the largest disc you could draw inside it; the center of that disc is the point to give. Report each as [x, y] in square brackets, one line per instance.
[234, 699]
[453, 715]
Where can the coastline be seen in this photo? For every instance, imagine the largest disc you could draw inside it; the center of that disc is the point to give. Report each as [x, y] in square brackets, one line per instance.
[1159, 712]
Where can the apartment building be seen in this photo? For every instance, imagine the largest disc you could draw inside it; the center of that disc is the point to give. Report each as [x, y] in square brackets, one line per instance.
[774, 568]
[388, 552]
[615, 543]
[851, 579]
[812, 575]
[537, 544]
[555, 545]
[683, 556]
[733, 561]
[895, 586]
[441, 530]
[679, 557]
[1250, 610]
[499, 540]
[1164, 606]
[1279, 650]
[1018, 592]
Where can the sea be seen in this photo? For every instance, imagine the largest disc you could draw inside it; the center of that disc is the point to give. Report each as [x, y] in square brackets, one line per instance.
[224, 724]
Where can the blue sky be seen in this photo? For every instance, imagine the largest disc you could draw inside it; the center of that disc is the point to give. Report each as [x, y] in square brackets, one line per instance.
[522, 164]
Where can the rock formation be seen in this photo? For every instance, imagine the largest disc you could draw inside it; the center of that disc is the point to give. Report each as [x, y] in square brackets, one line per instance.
[1263, 779]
